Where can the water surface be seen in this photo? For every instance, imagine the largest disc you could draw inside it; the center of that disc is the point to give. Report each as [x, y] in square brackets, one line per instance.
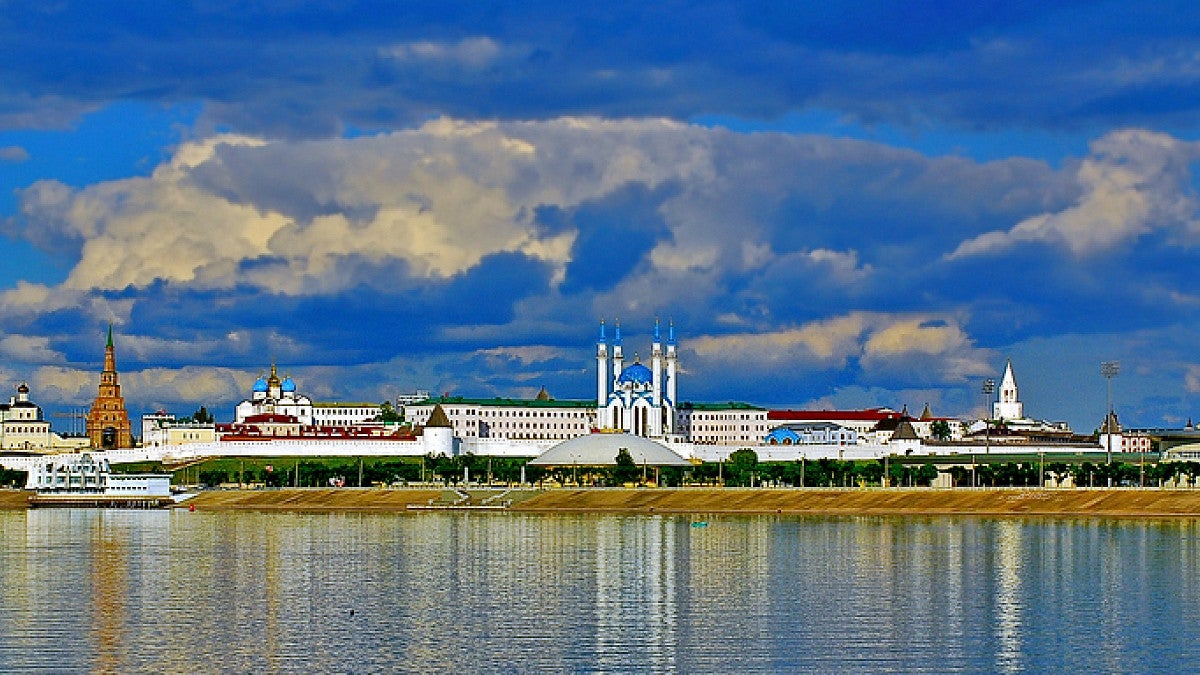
[133, 591]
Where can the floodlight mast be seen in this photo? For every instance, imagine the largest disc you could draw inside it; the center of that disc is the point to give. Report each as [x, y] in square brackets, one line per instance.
[1109, 370]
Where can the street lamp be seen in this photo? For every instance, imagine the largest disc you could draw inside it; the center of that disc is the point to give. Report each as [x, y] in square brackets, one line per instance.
[988, 388]
[1109, 370]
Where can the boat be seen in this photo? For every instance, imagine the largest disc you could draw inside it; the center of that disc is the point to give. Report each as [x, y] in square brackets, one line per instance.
[81, 480]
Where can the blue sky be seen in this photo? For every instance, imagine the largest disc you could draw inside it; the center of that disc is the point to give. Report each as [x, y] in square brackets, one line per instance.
[838, 204]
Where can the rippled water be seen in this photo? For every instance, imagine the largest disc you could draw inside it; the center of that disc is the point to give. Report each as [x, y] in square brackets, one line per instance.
[128, 591]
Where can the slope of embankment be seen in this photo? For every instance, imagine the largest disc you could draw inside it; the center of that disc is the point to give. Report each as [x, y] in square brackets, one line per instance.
[14, 499]
[931, 502]
[311, 500]
[1153, 503]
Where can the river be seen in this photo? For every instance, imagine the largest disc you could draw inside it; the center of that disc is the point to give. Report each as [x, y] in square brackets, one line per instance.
[178, 591]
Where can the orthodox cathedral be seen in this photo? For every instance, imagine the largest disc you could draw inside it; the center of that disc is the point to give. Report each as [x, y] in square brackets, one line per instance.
[272, 396]
[636, 399]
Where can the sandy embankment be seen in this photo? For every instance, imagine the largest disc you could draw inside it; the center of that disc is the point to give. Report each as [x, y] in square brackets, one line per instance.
[1067, 502]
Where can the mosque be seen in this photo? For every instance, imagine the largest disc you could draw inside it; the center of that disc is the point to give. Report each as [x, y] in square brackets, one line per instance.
[641, 400]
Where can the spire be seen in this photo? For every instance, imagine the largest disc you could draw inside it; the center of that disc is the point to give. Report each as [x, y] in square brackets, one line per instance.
[602, 336]
[110, 342]
[671, 332]
[657, 331]
[617, 336]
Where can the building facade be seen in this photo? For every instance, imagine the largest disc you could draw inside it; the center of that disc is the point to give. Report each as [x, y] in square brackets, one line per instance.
[22, 426]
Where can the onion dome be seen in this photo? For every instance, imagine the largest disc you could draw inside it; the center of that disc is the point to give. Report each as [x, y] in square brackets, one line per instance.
[260, 385]
[636, 374]
[288, 386]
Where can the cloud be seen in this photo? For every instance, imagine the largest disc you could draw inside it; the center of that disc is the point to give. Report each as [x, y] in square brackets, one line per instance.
[1134, 182]
[475, 52]
[876, 340]
[13, 153]
[29, 349]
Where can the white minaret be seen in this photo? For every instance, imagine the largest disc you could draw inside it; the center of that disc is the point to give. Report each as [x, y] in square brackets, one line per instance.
[602, 421]
[671, 365]
[617, 353]
[1009, 406]
[656, 359]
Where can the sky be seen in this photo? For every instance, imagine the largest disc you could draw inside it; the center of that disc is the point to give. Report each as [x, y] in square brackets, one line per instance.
[837, 205]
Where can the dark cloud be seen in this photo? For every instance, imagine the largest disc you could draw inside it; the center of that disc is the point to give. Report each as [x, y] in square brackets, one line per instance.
[320, 69]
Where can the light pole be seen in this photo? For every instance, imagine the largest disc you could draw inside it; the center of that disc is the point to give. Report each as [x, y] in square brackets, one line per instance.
[1109, 370]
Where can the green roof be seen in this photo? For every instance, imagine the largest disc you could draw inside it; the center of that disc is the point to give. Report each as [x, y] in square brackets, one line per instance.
[507, 402]
[713, 407]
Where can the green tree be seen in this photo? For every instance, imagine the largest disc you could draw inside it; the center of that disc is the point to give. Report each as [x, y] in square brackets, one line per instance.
[626, 470]
[925, 475]
[202, 416]
[940, 430]
[387, 413]
[741, 466]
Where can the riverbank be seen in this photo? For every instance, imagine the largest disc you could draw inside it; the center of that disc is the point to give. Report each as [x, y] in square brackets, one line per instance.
[700, 501]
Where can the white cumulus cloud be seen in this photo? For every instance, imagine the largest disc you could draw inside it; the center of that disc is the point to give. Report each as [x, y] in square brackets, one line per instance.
[1132, 183]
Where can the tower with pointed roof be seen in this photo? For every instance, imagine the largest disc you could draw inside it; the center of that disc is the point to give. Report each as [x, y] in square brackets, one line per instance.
[108, 424]
[1009, 406]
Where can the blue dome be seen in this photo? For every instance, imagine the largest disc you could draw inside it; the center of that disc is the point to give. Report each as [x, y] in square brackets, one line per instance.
[260, 386]
[288, 385]
[637, 374]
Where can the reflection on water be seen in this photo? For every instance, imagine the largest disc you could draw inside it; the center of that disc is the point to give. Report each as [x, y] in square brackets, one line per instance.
[121, 591]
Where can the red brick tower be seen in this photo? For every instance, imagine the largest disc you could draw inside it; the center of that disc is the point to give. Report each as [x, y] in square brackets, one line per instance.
[107, 422]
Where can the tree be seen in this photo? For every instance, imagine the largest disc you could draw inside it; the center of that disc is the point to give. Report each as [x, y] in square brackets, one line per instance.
[741, 466]
[940, 430]
[926, 474]
[626, 470]
[387, 413]
[202, 416]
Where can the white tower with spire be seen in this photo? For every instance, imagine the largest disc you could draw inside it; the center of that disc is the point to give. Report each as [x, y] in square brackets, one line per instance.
[602, 421]
[656, 366]
[1009, 406]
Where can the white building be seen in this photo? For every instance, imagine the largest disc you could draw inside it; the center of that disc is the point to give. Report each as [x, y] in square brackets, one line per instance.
[161, 428]
[23, 427]
[637, 399]
[272, 396]
[721, 423]
[540, 419]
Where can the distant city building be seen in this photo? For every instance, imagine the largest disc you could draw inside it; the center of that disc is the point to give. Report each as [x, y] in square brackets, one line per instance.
[812, 433]
[273, 396]
[632, 398]
[542, 418]
[722, 423]
[1009, 424]
[22, 426]
[162, 429]
[108, 424]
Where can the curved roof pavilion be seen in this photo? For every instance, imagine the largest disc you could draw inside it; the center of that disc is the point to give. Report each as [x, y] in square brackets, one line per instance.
[600, 449]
